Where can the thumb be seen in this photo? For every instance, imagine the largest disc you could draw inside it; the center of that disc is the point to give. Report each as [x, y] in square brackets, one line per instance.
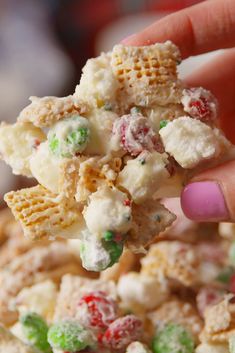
[210, 196]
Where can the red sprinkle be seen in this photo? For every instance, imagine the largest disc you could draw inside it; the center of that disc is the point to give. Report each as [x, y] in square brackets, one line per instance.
[101, 311]
[122, 332]
[127, 202]
[36, 143]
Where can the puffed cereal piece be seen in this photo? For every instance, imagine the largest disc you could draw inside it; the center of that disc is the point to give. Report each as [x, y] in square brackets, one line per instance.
[149, 219]
[178, 312]
[43, 215]
[93, 173]
[17, 143]
[173, 260]
[11, 344]
[144, 175]
[139, 289]
[39, 298]
[219, 321]
[191, 142]
[106, 211]
[35, 266]
[212, 348]
[137, 347]
[98, 85]
[45, 111]
[147, 75]
[72, 288]
[125, 264]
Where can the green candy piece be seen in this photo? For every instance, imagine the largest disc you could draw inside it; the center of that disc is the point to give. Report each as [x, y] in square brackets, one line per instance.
[163, 123]
[114, 249]
[93, 255]
[97, 255]
[231, 254]
[35, 330]
[68, 336]
[69, 136]
[173, 338]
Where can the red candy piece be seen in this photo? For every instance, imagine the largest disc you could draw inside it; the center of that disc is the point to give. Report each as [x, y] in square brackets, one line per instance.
[207, 296]
[200, 104]
[122, 332]
[135, 134]
[100, 311]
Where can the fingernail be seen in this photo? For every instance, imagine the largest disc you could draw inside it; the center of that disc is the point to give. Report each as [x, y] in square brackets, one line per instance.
[204, 201]
[128, 39]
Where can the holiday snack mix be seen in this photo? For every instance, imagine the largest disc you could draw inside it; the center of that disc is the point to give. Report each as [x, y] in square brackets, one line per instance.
[103, 157]
[113, 269]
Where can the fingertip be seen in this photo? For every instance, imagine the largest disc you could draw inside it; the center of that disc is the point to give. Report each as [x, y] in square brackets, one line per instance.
[129, 40]
[204, 202]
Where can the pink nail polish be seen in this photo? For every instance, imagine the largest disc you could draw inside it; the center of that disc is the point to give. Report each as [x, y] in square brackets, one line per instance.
[204, 201]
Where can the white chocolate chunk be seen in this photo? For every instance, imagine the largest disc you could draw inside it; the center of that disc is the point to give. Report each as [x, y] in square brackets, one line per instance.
[146, 291]
[190, 141]
[144, 175]
[137, 347]
[17, 143]
[45, 167]
[98, 84]
[39, 298]
[106, 211]
[101, 124]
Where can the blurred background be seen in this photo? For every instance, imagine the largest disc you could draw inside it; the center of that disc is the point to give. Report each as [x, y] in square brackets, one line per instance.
[45, 43]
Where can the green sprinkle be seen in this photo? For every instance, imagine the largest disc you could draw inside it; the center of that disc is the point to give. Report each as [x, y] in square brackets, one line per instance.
[173, 338]
[68, 336]
[108, 107]
[135, 110]
[54, 144]
[163, 123]
[225, 275]
[108, 235]
[35, 330]
[231, 254]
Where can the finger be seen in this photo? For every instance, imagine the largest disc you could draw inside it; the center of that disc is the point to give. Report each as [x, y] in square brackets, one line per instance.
[197, 29]
[210, 196]
[218, 76]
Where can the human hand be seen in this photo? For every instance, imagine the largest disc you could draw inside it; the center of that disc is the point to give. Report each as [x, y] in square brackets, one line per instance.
[207, 26]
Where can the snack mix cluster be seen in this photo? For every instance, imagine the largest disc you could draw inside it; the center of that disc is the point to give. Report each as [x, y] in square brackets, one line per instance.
[113, 270]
